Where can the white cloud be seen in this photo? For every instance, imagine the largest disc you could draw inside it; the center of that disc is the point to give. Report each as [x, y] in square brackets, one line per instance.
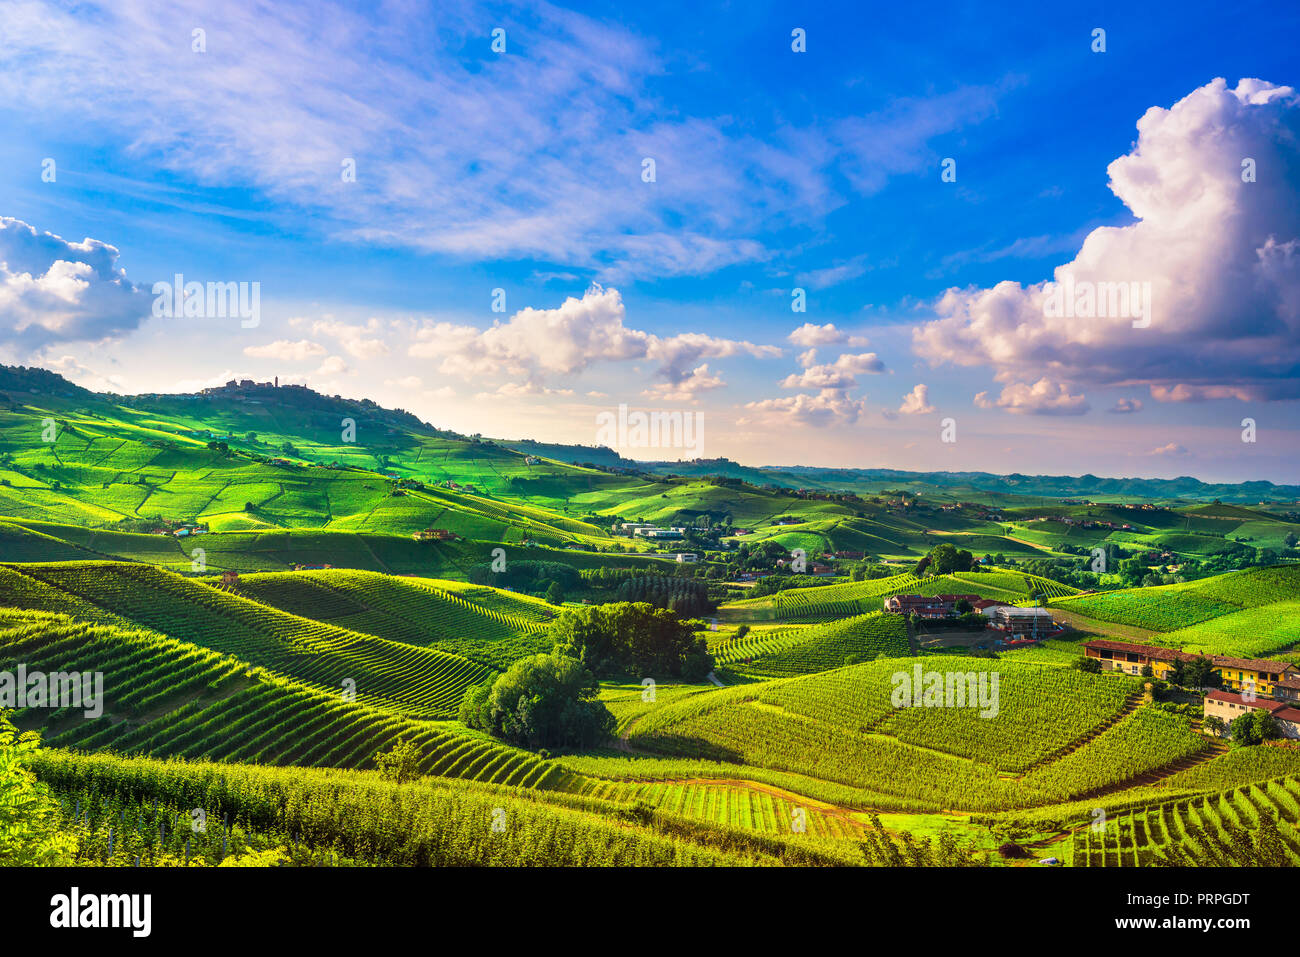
[686, 388]
[1172, 449]
[359, 341]
[333, 365]
[406, 382]
[828, 407]
[55, 291]
[1042, 398]
[1125, 406]
[73, 370]
[840, 374]
[533, 154]
[535, 345]
[810, 335]
[917, 402]
[678, 353]
[286, 350]
[1222, 257]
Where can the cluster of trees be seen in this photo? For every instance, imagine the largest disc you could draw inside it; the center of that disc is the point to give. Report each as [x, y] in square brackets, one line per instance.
[551, 700]
[758, 556]
[775, 583]
[1254, 727]
[544, 579]
[544, 701]
[944, 560]
[1197, 673]
[1134, 569]
[632, 639]
[687, 596]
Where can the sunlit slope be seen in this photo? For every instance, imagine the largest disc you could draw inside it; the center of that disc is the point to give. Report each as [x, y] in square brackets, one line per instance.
[23, 540]
[1017, 749]
[806, 650]
[1171, 607]
[112, 464]
[485, 625]
[389, 674]
[825, 602]
[169, 698]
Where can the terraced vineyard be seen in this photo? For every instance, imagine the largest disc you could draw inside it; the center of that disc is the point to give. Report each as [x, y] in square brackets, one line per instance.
[1265, 630]
[1212, 830]
[823, 647]
[819, 603]
[1171, 607]
[415, 681]
[491, 627]
[167, 698]
[952, 757]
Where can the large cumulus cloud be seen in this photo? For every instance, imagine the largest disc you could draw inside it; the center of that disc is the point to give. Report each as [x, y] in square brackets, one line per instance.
[1222, 256]
[54, 291]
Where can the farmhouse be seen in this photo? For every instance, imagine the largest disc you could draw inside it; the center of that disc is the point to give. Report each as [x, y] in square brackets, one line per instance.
[1287, 688]
[1227, 706]
[1288, 722]
[927, 606]
[1237, 673]
[1262, 676]
[1131, 659]
[687, 558]
[435, 535]
[1020, 621]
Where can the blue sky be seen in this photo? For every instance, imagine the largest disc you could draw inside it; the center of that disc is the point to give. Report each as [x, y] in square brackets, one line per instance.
[774, 170]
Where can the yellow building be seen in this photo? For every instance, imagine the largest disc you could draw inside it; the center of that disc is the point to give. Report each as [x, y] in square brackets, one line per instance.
[1240, 674]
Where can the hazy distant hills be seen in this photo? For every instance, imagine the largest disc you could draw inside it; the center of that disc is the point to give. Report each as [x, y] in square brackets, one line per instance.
[18, 384]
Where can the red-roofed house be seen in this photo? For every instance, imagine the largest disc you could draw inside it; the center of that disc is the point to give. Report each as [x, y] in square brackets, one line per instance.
[1288, 722]
[1229, 706]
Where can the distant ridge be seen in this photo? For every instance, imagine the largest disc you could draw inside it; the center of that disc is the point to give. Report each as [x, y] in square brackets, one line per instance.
[17, 380]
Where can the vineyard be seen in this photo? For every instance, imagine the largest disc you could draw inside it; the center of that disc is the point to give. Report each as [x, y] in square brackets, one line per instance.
[1172, 607]
[412, 680]
[167, 698]
[1256, 823]
[314, 716]
[819, 647]
[480, 624]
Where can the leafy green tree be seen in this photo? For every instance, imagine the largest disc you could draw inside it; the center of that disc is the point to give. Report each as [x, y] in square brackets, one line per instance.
[29, 833]
[944, 560]
[632, 639]
[401, 764]
[1200, 673]
[1254, 727]
[541, 701]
